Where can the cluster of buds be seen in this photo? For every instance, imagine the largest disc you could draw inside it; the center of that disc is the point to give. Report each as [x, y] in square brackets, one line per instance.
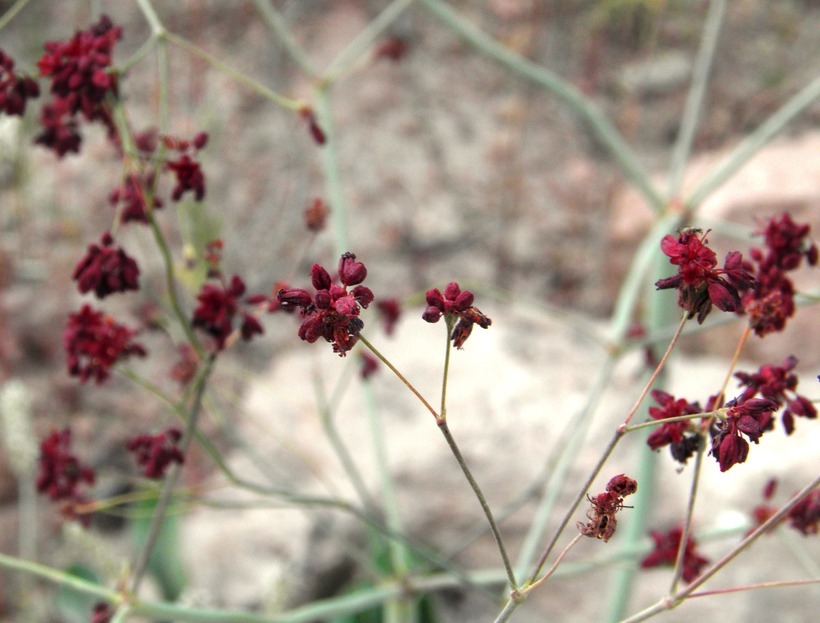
[456, 305]
[61, 473]
[665, 553]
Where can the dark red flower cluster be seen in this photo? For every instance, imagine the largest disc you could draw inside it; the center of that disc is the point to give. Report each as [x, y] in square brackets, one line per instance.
[101, 614]
[455, 303]
[333, 312]
[778, 384]
[805, 516]
[80, 83]
[15, 90]
[666, 549]
[185, 368]
[156, 452]
[94, 342]
[771, 301]
[699, 283]
[393, 48]
[61, 473]
[219, 306]
[763, 512]
[682, 437]
[106, 269]
[750, 418]
[187, 170]
[602, 522]
[370, 365]
[133, 196]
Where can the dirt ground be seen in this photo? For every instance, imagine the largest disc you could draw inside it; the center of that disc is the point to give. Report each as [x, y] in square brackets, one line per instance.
[452, 168]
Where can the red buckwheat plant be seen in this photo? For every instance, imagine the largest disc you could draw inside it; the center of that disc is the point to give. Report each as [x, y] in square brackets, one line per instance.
[333, 312]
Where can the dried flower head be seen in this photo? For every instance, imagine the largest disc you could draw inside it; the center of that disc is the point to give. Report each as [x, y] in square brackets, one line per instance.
[750, 418]
[602, 522]
[218, 307]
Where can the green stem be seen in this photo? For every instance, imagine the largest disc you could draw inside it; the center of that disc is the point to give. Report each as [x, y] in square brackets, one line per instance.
[273, 18]
[12, 12]
[58, 577]
[445, 430]
[333, 180]
[750, 145]
[690, 512]
[601, 127]
[253, 85]
[141, 564]
[364, 39]
[697, 90]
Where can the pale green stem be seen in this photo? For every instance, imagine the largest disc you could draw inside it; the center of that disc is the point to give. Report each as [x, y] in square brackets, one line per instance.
[697, 90]
[569, 452]
[171, 478]
[341, 451]
[333, 180]
[157, 29]
[603, 129]
[364, 40]
[58, 577]
[690, 512]
[249, 83]
[12, 12]
[750, 145]
[398, 552]
[273, 18]
[449, 322]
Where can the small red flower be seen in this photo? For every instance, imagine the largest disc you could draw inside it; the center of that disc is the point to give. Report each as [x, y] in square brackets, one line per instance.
[132, 194]
[779, 384]
[94, 342]
[188, 171]
[699, 283]
[751, 418]
[455, 303]
[15, 90]
[218, 306]
[602, 522]
[682, 437]
[666, 553]
[392, 48]
[106, 269]
[370, 365]
[60, 130]
[61, 472]
[333, 312]
[770, 302]
[155, 453]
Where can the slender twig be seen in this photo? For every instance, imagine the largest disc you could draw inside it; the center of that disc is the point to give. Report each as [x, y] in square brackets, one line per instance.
[750, 145]
[601, 127]
[694, 98]
[690, 512]
[141, 564]
[12, 12]
[273, 18]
